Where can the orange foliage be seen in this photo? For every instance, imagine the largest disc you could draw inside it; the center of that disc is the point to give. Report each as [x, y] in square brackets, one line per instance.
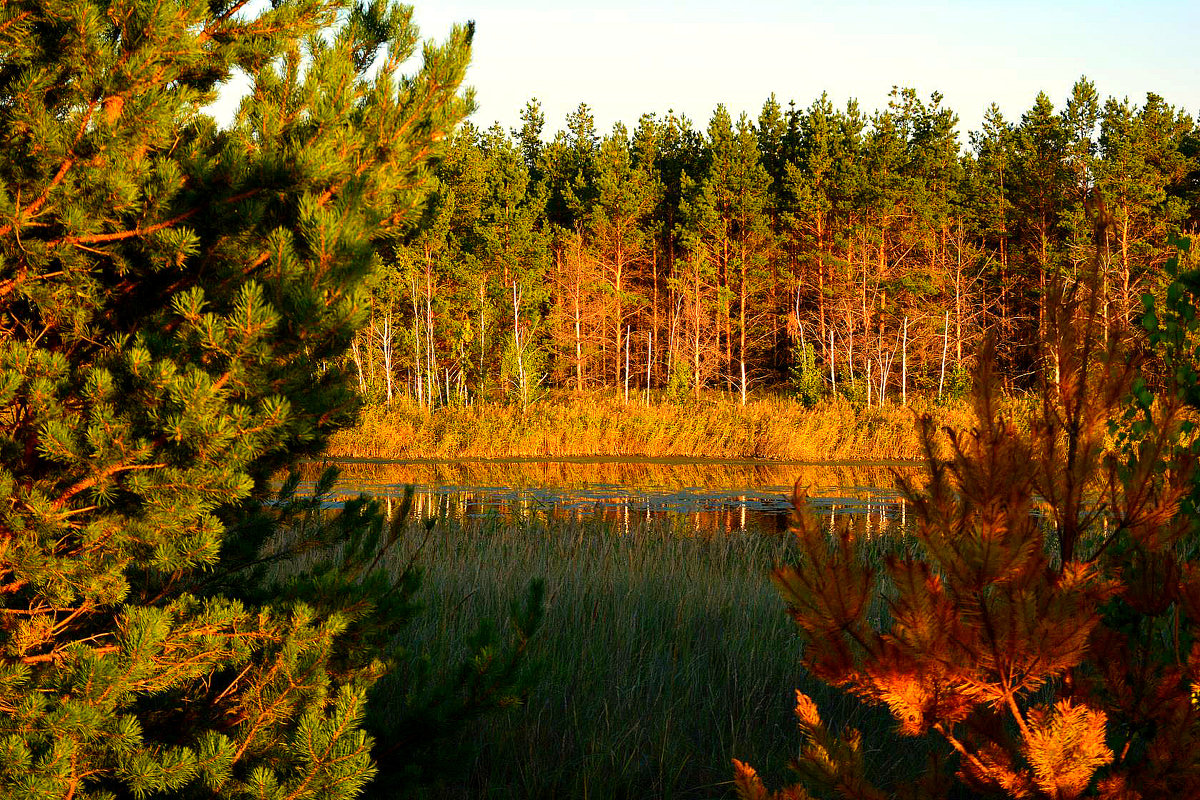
[1044, 632]
[1065, 746]
[750, 787]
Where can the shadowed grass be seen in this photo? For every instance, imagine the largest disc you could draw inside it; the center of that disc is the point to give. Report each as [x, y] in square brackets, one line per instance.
[665, 654]
[600, 425]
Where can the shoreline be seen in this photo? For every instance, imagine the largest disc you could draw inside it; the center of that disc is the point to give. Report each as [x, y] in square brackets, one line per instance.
[598, 429]
[612, 459]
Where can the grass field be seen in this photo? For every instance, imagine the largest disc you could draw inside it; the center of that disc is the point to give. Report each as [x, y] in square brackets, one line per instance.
[665, 654]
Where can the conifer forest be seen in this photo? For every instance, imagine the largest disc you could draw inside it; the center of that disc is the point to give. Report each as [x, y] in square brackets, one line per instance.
[868, 252]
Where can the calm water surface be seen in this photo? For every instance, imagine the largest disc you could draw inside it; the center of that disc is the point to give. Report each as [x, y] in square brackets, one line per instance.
[703, 496]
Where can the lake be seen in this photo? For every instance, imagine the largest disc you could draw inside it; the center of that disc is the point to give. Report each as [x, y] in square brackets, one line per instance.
[701, 496]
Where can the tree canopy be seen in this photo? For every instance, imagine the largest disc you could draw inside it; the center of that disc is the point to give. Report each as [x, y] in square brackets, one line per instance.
[886, 243]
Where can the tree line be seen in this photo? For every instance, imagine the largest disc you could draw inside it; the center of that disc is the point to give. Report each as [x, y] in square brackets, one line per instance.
[821, 248]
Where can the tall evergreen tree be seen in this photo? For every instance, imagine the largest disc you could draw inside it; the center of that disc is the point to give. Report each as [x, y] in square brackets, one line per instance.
[174, 303]
[772, 135]
[511, 253]
[990, 210]
[533, 121]
[807, 198]
[1141, 162]
[626, 194]
[727, 222]
[570, 170]
[1040, 181]
[1080, 118]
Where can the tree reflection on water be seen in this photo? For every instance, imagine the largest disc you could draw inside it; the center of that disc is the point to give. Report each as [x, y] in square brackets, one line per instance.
[690, 496]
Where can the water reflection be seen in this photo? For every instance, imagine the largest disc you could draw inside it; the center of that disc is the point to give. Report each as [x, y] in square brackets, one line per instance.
[690, 496]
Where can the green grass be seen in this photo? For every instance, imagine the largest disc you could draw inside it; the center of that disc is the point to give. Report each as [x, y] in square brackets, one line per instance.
[601, 425]
[665, 654]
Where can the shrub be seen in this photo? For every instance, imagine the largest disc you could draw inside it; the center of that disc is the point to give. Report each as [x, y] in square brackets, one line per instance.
[807, 381]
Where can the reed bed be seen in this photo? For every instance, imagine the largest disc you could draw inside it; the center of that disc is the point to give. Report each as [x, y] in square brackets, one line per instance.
[601, 425]
[665, 654]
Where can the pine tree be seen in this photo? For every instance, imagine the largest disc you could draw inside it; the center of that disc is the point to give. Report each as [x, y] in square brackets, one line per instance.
[987, 198]
[625, 196]
[1141, 161]
[511, 256]
[175, 300]
[1042, 625]
[772, 133]
[727, 225]
[569, 170]
[530, 137]
[1040, 186]
[939, 259]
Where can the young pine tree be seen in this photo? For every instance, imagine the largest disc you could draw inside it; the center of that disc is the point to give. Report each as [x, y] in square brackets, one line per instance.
[174, 300]
[1044, 626]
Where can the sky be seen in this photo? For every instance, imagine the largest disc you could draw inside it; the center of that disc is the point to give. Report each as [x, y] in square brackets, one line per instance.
[627, 58]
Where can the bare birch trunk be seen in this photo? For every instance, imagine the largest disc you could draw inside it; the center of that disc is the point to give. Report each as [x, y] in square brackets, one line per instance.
[521, 384]
[482, 337]
[945, 347]
[868, 382]
[578, 343]
[654, 299]
[672, 343]
[696, 335]
[850, 342]
[386, 344]
[628, 334]
[742, 320]
[958, 309]
[356, 354]
[619, 322]
[429, 357]
[649, 361]
[832, 374]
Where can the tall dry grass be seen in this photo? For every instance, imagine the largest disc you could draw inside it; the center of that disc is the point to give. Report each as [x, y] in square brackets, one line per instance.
[599, 425]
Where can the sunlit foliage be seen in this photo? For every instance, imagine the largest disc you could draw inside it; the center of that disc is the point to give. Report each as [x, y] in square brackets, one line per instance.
[1044, 626]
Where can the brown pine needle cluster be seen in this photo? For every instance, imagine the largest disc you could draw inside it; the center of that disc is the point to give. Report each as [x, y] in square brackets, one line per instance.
[1045, 627]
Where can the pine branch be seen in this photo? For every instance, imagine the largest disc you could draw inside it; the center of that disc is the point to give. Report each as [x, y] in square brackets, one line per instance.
[41, 199]
[57, 654]
[103, 475]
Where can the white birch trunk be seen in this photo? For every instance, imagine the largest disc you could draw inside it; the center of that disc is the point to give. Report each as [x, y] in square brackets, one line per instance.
[356, 354]
[869, 384]
[386, 336]
[945, 346]
[517, 345]
[649, 354]
[628, 334]
[832, 374]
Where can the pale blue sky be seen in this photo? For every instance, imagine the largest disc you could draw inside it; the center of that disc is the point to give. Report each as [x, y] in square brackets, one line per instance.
[624, 58]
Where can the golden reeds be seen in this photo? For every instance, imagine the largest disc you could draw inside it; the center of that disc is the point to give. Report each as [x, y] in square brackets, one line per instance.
[599, 425]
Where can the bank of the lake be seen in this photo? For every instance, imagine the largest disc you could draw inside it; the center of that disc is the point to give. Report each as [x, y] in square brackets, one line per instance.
[598, 425]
